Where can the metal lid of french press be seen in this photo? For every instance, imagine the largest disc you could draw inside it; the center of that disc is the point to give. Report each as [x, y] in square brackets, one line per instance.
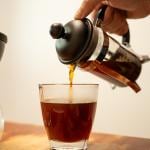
[72, 39]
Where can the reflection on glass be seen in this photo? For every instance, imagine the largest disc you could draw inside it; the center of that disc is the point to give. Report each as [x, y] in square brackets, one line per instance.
[1, 124]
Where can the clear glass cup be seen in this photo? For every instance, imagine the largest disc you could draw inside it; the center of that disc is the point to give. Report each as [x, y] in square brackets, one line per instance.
[1, 124]
[68, 114]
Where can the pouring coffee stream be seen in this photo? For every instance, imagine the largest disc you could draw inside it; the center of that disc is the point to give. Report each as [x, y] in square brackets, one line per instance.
[84, 44]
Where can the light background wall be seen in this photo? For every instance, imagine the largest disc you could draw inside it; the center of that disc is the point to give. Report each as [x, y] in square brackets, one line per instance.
[30, 59]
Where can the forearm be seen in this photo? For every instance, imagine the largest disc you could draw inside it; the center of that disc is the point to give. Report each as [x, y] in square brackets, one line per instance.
[147, 7]
[141, 10]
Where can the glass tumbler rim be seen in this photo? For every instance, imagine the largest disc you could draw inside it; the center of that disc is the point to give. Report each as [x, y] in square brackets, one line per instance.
[63, 84]
[72, 94]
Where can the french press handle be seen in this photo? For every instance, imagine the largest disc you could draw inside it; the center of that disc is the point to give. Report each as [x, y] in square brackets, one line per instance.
[98, 21]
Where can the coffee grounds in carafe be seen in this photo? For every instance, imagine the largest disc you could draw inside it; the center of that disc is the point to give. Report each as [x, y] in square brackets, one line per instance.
[104, 70]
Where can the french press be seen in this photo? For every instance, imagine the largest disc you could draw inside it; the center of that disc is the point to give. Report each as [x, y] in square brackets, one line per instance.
[85, 44]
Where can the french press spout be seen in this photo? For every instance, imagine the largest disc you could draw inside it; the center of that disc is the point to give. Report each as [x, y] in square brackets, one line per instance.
[85, 44]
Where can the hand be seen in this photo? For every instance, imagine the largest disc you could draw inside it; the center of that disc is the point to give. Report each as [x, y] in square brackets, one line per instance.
[116, 13]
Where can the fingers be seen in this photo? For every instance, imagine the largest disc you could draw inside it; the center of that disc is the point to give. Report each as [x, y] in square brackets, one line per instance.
[86, 8]
[115, 21]
[121, 4]
[95, 11]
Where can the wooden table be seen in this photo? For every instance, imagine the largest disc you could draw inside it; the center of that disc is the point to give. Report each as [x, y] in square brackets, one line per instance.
[29, 137]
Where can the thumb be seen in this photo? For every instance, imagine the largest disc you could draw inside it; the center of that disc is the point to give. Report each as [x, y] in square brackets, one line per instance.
[86, 8]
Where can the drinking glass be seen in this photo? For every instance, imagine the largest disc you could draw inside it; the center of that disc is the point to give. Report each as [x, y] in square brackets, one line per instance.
[1, 124]
[68, 114]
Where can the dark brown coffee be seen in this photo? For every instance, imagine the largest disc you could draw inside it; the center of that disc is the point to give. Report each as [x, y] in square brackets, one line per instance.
[68, 122]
